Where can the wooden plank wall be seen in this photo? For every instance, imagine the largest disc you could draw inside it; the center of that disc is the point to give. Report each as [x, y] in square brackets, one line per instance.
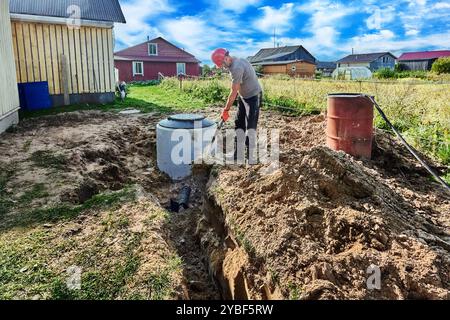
[39, 48]
[303, 69]
[9, 98]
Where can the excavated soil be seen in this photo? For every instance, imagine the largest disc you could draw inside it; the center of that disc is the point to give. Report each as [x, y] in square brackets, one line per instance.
[313, 228]
[309, 230]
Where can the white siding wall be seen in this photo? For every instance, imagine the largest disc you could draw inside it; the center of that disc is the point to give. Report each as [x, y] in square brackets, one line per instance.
[9, 98]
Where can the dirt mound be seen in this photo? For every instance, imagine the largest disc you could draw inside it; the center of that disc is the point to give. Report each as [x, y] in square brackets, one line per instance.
[317, 228]
[321, 225]
[94, 152]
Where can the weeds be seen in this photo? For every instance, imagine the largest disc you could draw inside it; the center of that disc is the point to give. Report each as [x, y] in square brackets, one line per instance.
[294, 292]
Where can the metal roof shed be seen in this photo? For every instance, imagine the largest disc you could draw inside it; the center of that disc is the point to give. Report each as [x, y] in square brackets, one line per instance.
[69, 44]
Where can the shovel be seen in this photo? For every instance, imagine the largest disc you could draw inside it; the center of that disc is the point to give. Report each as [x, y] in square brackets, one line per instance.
[208, 149]
[219, 127]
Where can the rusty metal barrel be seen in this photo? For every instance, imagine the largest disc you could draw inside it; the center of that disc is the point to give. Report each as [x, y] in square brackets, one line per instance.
[350, 124]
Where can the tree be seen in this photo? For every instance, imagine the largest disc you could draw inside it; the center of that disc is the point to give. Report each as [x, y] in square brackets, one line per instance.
[441, 65]
[206, 70]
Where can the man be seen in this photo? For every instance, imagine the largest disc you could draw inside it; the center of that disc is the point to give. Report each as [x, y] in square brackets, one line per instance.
[245, 84]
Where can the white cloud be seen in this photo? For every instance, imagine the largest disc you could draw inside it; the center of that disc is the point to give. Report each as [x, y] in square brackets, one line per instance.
[195, 35]
[412, 32]
[273, 18]
[324, 24]
[413, 3]
[237, 6]
[137, 28]
[385, 40]
[419, 14]
[441, 5]
[380, 17]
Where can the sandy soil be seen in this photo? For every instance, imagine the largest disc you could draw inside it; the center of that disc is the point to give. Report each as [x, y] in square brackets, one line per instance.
[314, 227]
[310, 230]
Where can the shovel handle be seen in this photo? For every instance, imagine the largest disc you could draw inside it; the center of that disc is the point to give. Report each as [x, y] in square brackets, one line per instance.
[219, 127]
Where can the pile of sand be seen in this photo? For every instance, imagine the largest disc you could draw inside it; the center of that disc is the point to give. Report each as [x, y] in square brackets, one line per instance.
[314, 228]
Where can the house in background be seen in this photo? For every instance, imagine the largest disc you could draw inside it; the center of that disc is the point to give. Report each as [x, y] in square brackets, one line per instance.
[147, 60]
[75, 60]
[9, 101]
[295, 61]
[372, 61]
[326, 68]
[415, 61]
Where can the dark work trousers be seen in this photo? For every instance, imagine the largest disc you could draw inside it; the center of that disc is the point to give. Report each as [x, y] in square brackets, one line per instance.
[247, 118]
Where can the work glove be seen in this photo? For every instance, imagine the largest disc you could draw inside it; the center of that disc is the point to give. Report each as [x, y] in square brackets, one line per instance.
[225, 115]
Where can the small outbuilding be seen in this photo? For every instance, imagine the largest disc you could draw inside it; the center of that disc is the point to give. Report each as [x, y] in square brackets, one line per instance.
[69, 44]
[326, 69]
[352, 73]
[9, 101]
[372, 61]
[421, 61]
[294, 61]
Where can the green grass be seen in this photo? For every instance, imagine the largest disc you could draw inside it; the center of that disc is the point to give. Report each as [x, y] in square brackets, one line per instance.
[104, 284]
[294, 292]
[65, 211]
[161, 284]
[37, 191]
[146, 98]
[23, 269]
[29, 257]
[48, 159]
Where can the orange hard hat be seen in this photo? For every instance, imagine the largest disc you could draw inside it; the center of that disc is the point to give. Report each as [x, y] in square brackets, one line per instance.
[218, 56]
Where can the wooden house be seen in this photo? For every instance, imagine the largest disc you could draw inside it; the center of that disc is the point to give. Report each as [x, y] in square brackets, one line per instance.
[372, 61]
[9, 101]
[423, 61]
[147, 60]
[326, 69]
[294, 61]
[69, 44]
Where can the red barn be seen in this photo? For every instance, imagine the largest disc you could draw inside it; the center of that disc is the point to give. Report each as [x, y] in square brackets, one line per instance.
[146, 60]
[421, 60]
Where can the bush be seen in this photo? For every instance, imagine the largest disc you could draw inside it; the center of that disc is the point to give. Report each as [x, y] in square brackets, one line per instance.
[396, 74]
[441, 65]
[206, 71]
[385, 73]
[210, 91]
[412, 74]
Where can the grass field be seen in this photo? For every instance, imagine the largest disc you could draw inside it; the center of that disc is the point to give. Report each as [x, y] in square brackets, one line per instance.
[144, 98]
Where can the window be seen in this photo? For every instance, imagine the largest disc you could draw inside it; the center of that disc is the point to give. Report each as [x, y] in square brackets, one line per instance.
[152, 49]
[181, 68]
[138, 68]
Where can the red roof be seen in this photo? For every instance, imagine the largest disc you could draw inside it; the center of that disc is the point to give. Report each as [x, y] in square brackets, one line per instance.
[425, 55]
[167, 52]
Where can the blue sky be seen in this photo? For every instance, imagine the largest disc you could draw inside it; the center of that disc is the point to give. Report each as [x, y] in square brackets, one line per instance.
[328, 29]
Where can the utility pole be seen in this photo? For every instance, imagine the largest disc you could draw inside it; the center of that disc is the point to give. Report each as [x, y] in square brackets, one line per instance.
[275, 37]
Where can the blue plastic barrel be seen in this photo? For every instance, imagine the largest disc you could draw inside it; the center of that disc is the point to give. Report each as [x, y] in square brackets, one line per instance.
[34, 96]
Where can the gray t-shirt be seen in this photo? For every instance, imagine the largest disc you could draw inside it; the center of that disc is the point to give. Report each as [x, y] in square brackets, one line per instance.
[242, 72]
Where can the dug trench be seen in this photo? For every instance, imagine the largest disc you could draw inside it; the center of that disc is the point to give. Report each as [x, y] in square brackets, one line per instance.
[311, 229]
